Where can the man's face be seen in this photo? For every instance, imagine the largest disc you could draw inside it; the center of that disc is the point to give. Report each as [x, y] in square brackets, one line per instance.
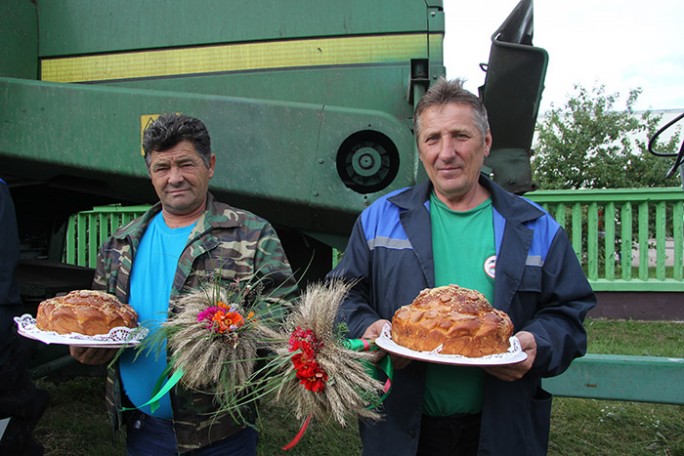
[452, 150]
[180, 178]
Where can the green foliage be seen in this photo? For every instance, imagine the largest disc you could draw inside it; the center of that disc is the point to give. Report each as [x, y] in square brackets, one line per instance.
[589, 143]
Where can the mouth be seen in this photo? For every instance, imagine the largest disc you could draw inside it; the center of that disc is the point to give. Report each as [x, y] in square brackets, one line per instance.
[449, 170]
[177, 192]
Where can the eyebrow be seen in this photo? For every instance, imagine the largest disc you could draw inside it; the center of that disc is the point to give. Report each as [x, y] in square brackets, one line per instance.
[438, 132]
[167, 161]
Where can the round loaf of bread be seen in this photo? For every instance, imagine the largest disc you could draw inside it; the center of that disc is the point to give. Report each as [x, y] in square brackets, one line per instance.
[87, 312]
[459, 319]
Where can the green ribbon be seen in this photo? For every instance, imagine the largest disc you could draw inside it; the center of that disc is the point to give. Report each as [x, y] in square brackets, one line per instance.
[159, 390]
[359, 345]
[385, 364]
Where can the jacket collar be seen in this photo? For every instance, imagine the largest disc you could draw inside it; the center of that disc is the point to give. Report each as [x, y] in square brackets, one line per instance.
[510, 206]
[218, 214]
[215, 214]
[412, 197]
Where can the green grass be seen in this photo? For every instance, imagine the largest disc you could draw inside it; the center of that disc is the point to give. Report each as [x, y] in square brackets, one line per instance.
[587, 427]
[640, 338]
[75, 424]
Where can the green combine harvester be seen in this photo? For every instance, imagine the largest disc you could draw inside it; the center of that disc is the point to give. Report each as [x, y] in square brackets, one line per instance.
[309, 105]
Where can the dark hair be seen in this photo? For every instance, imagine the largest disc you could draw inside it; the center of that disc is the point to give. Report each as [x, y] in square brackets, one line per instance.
[170, 129]
[444, 92]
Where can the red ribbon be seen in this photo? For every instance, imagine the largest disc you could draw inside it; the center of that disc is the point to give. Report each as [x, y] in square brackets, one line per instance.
[385, 365]
[299, 435]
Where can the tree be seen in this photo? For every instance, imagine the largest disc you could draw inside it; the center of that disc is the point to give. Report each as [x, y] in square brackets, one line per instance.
[589, 144]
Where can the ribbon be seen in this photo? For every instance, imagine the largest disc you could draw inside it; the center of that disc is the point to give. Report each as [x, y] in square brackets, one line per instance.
[385, 364]
[299, 434]
[359, 345]
[159, 391]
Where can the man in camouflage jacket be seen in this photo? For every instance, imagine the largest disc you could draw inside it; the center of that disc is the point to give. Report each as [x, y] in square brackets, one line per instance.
[223, 243]
[227, 241]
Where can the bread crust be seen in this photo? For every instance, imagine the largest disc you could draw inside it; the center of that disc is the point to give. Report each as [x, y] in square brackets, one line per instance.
[459, 319]
[87, 312]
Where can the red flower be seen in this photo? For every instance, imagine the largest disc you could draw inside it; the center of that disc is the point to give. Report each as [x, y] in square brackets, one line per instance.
[304, 340]
[298, 361]
[308, 371]
[312, 377]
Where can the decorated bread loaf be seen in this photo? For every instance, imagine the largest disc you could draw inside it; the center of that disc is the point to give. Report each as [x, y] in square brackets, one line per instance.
[85, 312]
[459, 319]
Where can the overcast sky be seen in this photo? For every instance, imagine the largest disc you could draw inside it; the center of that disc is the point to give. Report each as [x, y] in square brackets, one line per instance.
[623, 44]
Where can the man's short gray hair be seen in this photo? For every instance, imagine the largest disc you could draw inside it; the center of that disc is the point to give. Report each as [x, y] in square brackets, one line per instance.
[444, 92]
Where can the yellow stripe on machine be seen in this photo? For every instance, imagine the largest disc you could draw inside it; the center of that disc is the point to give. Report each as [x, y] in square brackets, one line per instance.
[238, 57]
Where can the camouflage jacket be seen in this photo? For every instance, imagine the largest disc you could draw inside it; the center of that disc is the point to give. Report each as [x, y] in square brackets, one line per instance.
[226, 242]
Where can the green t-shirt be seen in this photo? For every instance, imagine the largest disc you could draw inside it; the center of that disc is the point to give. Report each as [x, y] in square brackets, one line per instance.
[463, 248]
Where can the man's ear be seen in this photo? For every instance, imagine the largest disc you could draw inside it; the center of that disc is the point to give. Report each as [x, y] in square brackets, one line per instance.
[487, 143]
[212, 165]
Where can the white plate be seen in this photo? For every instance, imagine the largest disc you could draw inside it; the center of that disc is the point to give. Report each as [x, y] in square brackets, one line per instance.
[515, 354]
[116, 338]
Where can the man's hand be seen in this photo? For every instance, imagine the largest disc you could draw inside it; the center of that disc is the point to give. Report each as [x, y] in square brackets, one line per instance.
[91, 355]
[511, 372]
[374, 331]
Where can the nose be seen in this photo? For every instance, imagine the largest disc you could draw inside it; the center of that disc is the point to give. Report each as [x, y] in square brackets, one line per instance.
[447, 147]
[175, 175]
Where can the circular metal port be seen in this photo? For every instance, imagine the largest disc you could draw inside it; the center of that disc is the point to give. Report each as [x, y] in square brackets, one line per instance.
[367, 161]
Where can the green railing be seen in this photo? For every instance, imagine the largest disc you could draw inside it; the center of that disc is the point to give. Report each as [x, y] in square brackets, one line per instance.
[626, 239]
[87, 230]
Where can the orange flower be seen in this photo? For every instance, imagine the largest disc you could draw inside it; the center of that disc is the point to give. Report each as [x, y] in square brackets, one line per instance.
[224, 322]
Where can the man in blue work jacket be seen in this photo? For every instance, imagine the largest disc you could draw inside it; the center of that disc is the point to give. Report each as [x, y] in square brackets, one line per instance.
[461, 228]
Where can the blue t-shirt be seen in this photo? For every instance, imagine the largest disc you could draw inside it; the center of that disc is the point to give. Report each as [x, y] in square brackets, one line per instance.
[151, 280]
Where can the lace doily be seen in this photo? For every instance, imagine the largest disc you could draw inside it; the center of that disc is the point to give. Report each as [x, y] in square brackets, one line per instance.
[117, 337]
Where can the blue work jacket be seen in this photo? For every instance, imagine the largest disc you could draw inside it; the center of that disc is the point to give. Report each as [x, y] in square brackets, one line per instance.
[538, 282]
